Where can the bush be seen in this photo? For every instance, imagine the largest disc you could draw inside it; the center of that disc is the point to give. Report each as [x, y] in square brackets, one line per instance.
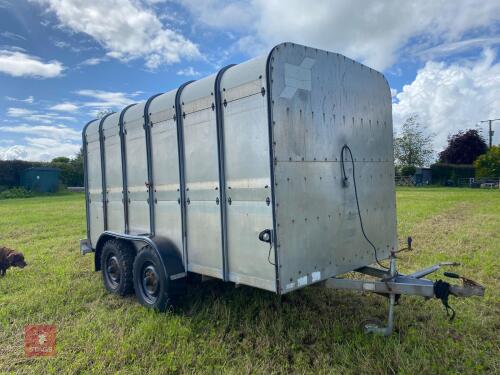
[449, 174]
[488, 165]
[17, 192]
[71, 169]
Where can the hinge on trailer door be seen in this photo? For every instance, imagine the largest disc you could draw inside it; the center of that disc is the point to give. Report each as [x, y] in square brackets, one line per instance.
[263, 91]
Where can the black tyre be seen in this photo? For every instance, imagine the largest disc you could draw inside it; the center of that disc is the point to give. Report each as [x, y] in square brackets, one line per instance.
[117, 259]
[152, 284]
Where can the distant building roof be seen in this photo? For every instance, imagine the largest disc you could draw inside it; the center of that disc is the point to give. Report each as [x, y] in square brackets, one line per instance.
[43, 169]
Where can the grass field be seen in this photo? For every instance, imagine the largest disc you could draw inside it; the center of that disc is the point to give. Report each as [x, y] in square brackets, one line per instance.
[219, 328]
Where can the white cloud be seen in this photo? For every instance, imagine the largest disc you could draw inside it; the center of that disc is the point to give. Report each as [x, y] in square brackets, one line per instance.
[64, 107]
[13, 36]
[19, 112]
[452, 97]
[225, 14]
[30, 99]
[32, 115]
[106, 100]
[55, 132]
[456, 47]
[61, 44]
[16, 152]
[127, 29]
[373, 32]
[93, 61]
[41, 142]
[188, 72]
[20, 64]
[39, 149]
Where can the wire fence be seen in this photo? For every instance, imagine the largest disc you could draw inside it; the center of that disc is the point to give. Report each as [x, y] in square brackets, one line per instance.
[484, 182]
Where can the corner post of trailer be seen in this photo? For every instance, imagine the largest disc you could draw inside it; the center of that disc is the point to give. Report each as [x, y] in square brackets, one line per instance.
[149, 162]
[103, 171]
[86, 243]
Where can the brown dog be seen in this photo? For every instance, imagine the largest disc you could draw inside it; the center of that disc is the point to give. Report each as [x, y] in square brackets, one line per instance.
[10, 258]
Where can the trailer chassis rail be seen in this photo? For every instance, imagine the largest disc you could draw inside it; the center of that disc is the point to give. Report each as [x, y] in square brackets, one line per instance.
[393, 284]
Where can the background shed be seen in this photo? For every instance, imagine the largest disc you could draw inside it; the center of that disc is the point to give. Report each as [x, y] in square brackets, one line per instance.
[44, 180]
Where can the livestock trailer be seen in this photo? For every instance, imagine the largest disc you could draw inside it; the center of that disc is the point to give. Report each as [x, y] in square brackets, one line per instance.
[275, 173]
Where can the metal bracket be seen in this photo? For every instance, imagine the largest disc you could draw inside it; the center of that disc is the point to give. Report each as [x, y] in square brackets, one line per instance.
[85, 247]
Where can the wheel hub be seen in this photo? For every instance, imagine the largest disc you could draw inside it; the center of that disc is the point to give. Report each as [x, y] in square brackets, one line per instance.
[113, 271]
[150, 283]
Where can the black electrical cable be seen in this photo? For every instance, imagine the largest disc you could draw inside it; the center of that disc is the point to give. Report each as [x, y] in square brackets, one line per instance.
[345, 147]
[269, 254]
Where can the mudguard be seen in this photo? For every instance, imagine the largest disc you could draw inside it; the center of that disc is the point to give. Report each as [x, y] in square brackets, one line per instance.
[169, 254]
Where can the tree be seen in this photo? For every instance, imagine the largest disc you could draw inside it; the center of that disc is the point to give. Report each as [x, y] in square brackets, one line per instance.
[463, 148]
[103, 112]
[71, 169]
[413, 148]
[61, 159]
[488, 165]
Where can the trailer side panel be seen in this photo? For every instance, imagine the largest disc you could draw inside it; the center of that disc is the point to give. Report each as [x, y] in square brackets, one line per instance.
[247, 173]
[114, 179]
[137, 170]
[165, 166]
[203, 216]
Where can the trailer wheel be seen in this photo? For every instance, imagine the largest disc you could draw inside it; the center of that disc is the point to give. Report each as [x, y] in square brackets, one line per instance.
[117, 259]
[152, 284]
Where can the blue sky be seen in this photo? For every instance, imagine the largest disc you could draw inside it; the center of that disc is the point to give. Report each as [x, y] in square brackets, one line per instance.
[63, 61]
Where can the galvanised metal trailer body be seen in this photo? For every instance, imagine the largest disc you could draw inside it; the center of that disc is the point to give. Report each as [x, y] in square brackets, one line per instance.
[241, 175]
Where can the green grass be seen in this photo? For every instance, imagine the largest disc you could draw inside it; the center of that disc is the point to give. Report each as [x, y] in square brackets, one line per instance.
[222, 329]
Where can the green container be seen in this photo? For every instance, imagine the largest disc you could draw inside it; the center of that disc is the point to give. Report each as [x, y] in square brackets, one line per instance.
[42, 180]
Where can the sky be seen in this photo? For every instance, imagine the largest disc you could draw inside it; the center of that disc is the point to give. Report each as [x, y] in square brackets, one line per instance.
[64, 61]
